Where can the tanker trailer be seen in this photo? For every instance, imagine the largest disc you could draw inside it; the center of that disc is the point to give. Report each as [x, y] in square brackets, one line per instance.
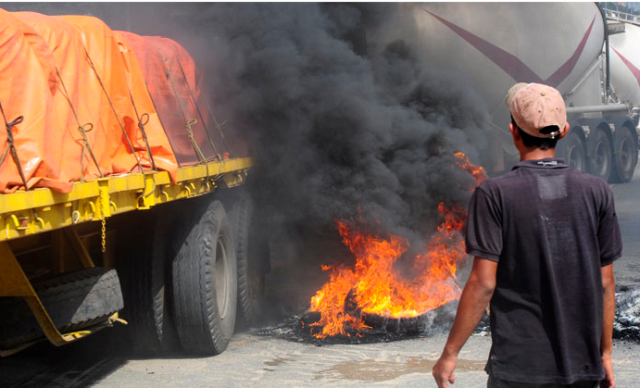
[624, 65]
[494, 45]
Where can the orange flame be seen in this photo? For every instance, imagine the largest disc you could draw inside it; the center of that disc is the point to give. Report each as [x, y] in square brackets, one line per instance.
[476, 171]
[373, 286]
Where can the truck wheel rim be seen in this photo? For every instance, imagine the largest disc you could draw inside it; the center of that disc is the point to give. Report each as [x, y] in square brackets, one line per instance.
[220, 278]
[625, 152]
[575, 158]
[601, 158]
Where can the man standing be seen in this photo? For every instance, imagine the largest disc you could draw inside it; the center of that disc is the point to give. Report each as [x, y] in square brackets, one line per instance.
[544, 237]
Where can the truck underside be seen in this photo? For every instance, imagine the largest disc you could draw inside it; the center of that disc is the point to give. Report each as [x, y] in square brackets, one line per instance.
[60, 252]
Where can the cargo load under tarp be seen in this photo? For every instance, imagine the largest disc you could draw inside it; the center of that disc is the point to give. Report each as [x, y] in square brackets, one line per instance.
[95, 102]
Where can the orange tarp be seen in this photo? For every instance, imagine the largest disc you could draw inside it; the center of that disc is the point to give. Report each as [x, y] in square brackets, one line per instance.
[158, 142]
[67, 73]
[27, 83]
[174, 93]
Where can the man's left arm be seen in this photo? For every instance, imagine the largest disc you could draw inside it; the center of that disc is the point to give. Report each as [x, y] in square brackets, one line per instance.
[475, 297]
[609, 308]
[610, 242]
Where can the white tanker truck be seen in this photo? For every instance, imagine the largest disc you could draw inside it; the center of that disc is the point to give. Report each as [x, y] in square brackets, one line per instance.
[592, 61]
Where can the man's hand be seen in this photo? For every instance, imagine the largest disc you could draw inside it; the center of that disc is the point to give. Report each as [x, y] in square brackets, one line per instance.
[443, 370]
[475, 297]
[609, 381]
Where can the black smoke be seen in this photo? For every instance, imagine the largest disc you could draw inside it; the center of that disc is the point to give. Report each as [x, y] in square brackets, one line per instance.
[342, 126]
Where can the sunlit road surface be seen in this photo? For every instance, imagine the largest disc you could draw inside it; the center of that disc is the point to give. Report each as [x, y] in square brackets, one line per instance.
[255, 361]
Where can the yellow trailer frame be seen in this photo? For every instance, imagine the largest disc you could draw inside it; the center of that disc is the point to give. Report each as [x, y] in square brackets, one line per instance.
[26, 213]
[30, 212]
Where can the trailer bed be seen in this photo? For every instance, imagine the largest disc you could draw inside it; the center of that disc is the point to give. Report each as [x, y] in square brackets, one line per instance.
[25, 213]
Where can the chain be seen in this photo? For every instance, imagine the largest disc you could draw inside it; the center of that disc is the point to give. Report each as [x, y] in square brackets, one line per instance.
[104, 235]
[104, 226]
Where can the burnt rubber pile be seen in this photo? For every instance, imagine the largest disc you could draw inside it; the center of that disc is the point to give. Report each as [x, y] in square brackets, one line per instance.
[298, 327]
[627, 320]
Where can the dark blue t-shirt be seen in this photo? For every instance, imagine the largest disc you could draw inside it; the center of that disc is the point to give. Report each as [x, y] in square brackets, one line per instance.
[550, 228]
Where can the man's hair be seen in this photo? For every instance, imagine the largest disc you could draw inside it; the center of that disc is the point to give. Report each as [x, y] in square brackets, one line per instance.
[544, 143]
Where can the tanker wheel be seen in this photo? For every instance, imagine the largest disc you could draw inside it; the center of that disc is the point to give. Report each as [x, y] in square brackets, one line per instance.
[600, 159]
[252, 254]
[625, 155]
[205, 283]
[147, 283]
[572, 151]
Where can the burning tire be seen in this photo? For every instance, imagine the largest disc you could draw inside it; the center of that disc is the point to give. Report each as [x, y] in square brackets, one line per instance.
[600, 152]
[625, 154]
[147, 283]
[205, 283]
[251, 255]
[431, 321]
[383, 328]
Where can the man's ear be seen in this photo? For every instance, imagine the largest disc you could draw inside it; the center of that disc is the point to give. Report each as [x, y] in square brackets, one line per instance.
[514, 132]
[566, 130]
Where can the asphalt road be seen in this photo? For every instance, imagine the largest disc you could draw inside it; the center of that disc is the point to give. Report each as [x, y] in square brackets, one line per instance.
[252, 360]
[627, 198]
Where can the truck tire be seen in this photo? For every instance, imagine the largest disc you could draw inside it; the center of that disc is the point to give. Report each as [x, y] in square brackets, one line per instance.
[252, 256]
[205, 283]
[572, 150]
[600, 151]
[625, 156]
[73, 301]
[147, 283]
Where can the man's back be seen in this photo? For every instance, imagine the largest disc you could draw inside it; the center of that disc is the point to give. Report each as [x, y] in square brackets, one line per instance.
[544, 237]
[551, 228]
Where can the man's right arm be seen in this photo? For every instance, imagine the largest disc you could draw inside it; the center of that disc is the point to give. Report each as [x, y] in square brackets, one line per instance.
[475, 297]
[609, 307]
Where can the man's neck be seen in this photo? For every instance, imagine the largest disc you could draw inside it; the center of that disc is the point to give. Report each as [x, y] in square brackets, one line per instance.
[537, 154]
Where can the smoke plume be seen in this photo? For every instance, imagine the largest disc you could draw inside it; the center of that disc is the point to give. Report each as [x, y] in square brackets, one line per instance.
[342, 126]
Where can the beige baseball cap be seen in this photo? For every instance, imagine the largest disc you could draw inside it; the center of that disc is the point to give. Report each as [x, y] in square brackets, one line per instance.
[537, 106]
